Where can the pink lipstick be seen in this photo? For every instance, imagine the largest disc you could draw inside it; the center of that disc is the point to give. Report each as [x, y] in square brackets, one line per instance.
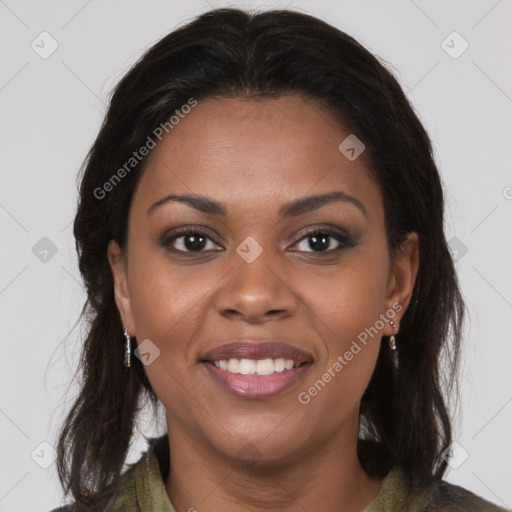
[253, 369]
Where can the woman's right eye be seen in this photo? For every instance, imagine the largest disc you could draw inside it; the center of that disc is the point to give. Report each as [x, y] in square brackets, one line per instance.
[188, 240]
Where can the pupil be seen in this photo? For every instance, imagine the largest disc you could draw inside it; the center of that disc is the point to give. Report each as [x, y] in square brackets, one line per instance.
[319, 241]
[198, 244]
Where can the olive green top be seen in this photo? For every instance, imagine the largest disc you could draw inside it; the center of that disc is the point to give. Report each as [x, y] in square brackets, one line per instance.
[142, 489]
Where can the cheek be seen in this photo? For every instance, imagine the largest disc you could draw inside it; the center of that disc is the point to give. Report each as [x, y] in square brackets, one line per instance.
[349, 304]
[351, 348]
[165, 297]
[168, 308]
[349, 299]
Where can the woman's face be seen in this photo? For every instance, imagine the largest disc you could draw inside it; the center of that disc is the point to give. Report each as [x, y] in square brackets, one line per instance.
[249, 272]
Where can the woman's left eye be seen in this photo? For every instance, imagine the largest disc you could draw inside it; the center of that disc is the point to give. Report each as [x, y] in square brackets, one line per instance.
[320, 240]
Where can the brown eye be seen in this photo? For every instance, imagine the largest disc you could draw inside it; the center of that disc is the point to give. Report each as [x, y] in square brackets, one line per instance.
[188, 240]
[321, 240]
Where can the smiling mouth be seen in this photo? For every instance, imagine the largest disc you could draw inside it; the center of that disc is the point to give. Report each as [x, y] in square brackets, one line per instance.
[258, 367]
[256, 378]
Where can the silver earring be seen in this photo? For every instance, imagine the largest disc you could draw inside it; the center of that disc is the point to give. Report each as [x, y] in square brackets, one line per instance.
[127, 347]
[392, 342]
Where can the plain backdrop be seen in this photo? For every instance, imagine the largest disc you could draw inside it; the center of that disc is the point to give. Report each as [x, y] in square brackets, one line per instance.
[52, 106]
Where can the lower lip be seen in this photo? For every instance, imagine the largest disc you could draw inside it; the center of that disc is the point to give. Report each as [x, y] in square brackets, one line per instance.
[257, 386]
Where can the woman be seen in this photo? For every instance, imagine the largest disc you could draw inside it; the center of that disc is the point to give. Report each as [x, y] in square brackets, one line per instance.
[260, 229]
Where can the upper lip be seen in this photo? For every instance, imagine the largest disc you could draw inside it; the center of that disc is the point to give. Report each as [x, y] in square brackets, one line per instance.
[249, 349]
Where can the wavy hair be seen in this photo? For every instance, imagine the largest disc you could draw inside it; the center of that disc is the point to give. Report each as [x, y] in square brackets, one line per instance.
[405, 417]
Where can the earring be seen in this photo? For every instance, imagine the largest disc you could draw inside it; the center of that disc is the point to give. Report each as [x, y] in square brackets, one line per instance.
[127, 347]
[392, 342]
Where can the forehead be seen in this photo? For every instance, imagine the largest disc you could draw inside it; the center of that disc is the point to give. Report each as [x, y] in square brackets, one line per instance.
[254, 153]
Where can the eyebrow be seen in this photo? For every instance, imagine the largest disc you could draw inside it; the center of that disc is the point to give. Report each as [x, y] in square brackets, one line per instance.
[291, 209]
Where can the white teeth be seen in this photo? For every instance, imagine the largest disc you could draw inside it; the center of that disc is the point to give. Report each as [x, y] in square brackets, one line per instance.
[279, 364]
[233, 365]
[255, 367]
[247, 367]
[265, 367]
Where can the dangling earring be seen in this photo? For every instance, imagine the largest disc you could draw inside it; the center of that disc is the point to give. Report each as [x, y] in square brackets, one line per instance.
[392, 342]
[127, 348]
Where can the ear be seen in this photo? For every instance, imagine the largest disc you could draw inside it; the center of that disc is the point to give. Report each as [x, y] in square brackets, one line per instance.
[118, 266]
[402, 278]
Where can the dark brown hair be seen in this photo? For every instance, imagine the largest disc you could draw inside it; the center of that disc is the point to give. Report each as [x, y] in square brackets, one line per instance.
[231, 53]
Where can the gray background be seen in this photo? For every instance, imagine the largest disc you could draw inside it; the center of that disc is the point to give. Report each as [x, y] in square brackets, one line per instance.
[51, 109]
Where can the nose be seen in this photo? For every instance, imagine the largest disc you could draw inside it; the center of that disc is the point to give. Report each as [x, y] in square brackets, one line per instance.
[256, 292]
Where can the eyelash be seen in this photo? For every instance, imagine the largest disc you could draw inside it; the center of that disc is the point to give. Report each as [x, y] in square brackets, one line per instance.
[343, 240]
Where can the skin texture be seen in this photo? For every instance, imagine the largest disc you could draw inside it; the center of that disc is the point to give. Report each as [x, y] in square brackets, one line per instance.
[228, 452]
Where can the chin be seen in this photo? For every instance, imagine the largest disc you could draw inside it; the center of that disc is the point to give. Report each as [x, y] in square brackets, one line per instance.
[258, 450]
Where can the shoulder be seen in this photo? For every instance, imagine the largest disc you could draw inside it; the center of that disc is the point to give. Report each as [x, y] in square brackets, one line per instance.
[444, 496]
[125, 488]
[152, 465]
[436, 496]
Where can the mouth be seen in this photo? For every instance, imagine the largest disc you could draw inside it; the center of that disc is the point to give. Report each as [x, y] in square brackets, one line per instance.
[256, 369]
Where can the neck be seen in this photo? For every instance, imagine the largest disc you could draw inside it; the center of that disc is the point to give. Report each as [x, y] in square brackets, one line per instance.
[323, 477]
